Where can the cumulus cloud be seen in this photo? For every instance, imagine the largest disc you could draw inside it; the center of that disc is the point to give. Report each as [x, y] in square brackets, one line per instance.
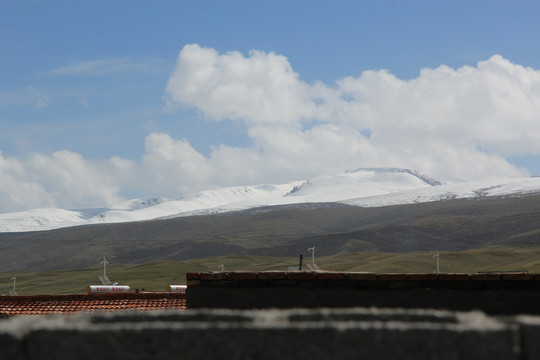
[17, 192]
[493, 107]
[63, 179]
[173, 166]
[261, 88]
[67, 176]
[452, 124]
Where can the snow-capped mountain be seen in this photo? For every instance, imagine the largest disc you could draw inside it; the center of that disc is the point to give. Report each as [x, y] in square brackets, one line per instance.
[369, 187]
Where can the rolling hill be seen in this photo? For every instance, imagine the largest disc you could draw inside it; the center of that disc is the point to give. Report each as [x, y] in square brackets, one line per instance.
[450, 225]
[366, 210]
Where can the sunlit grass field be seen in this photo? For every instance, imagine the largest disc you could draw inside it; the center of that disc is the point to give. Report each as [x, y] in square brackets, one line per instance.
[156, 276]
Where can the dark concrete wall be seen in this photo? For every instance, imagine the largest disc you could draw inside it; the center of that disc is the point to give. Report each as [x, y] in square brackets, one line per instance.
[272, 334]
[491, 293]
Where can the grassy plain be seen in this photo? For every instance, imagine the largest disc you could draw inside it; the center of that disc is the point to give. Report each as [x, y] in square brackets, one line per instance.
[156, 276]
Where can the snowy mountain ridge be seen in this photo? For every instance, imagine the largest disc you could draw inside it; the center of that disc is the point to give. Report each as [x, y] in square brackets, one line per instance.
[367, 187]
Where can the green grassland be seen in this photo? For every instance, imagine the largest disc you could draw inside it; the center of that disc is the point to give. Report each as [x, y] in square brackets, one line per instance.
[156, 276]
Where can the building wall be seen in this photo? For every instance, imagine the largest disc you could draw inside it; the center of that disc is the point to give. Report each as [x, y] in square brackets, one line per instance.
[491, 293]
[314, 334]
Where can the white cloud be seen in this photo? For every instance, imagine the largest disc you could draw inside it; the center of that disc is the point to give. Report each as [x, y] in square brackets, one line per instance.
[30, 96]
[72, 180]
[111, 66]
[261, 88]
[63, 179]
[173, 166]
[17, 191]
[452, 124]
[448, 123]
[494, 106]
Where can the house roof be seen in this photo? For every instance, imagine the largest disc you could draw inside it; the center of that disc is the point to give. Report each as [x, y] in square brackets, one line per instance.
[62, 304]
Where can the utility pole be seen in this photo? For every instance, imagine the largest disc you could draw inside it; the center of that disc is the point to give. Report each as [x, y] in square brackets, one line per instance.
[104, 262]
[437, 256]
[312, 249]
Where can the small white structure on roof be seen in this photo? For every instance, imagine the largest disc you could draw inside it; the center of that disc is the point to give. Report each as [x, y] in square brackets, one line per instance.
[177, 288]
[107, 289]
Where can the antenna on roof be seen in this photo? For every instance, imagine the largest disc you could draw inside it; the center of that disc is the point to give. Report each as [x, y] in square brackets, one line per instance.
[312, 254]
[104, 280]
[437, 256]
[14, 291]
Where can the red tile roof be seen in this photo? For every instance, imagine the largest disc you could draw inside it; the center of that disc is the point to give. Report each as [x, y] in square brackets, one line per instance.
[61, 304]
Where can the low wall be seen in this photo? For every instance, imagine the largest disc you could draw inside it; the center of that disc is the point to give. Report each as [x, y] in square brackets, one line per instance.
[272, 334]
[506, 293]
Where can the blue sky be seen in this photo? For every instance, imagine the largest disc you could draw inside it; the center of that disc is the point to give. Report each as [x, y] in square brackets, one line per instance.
[95, 107]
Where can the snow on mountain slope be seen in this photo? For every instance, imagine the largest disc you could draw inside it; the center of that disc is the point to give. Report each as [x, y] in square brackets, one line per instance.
[192, 203]
[480, 189]
[358, 183]
[39, 219]
[361, 187]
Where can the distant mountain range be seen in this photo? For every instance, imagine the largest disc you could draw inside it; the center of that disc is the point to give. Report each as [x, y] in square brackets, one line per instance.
[368, 187]
[366, 210]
